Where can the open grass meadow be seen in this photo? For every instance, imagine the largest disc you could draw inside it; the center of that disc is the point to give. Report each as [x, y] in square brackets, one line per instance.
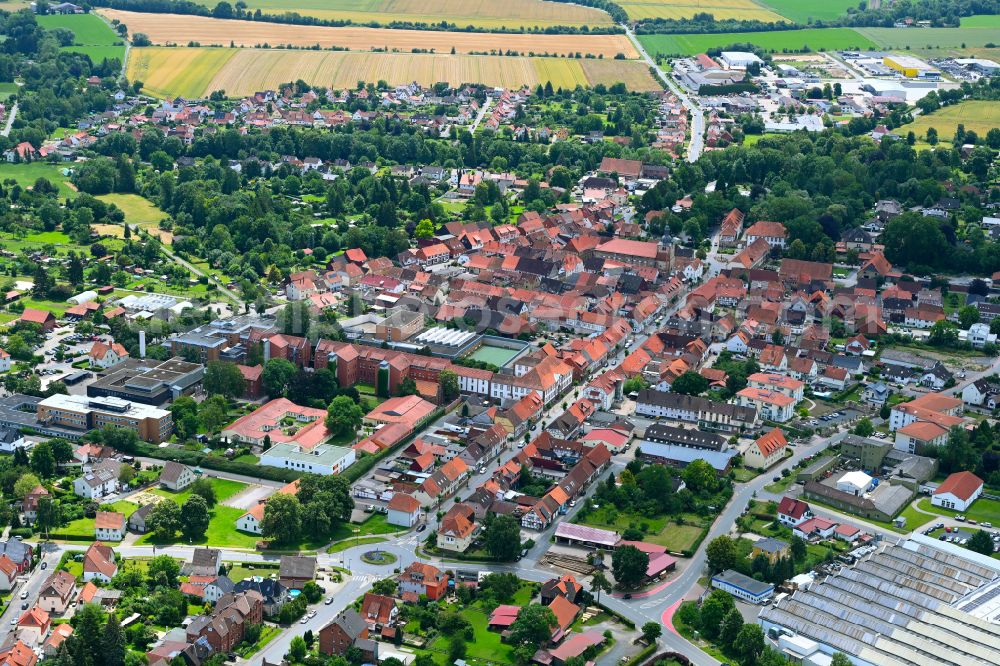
[980, 117]
[165, 29]
[805, 11]
[815, 39]
[91, 35]
[196, 72]
[479, 13]
[138, 211]
[25, 175]
[680, 9]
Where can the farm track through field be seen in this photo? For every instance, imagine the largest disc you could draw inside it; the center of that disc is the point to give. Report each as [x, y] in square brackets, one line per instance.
[178, 29]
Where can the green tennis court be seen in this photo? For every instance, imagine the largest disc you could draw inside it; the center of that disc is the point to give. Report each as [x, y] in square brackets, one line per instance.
[498, 356]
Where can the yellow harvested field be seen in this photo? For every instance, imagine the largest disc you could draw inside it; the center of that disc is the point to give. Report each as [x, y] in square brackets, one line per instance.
[682, 9]
[482, 13]
[244, 71]
[168, 72]
[111, 230]
[635, 76]
[178, 29]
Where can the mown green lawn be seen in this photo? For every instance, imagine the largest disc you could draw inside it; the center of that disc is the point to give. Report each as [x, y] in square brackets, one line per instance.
[659, 530]
[377, 523]
[84, 527]
[676, 538]
[485, 644]
[983, 510]
[351, 543]
[244, 571]
[27, 173]
[224, 489]
[609, 518]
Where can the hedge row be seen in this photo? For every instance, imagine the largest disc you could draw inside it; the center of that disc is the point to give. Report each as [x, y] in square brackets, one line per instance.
[197, 459]
[641, 656]
[689, 552]
[621, 618]
[70, 537]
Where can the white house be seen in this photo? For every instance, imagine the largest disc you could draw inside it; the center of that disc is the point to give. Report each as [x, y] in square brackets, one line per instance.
[766, 451]
[979, 336]
[109, 526]
[218, 588]
[97, 483]
[978, 391]
[176, 476]
[738, 343]
[958, 491]
[251, 520]
[404, 510]
[771, 405]
[8, 574]
[99, 561]
[4, 361]
[107, 356]
[11, 439]
[793, 512]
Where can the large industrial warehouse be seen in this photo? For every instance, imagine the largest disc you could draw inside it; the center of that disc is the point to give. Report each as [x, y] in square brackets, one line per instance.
[914, 603]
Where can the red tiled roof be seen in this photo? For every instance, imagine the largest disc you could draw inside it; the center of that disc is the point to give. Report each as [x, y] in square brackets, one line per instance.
[770, 442]
[792, 507]
[962, 485]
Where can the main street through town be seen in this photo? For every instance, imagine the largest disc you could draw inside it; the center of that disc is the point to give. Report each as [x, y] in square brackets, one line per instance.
[696, 142]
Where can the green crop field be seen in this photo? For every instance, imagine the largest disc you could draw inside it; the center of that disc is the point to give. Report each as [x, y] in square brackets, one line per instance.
[805, 11]
[981, 21]
[931, 39]
[816, 39]
[979, 117]
[91, 35]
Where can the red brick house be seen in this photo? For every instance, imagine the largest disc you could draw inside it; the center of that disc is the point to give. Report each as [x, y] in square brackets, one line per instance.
[345, 631]
[224, 628]
[420, 578]
[253, 387]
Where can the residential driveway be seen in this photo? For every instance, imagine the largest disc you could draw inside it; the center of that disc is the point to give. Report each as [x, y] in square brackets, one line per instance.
[249, 497]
